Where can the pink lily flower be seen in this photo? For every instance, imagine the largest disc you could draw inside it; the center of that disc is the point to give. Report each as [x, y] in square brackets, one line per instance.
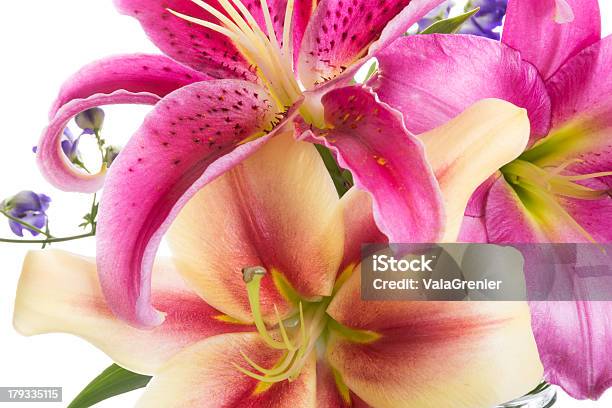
[238, 74]
[551, 61]
[262, 294]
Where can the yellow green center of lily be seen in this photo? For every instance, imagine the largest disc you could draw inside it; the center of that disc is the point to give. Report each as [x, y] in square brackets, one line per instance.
[299, 334]
[539, 177]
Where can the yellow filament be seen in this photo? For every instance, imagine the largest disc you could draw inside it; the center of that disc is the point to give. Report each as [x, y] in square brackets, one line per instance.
[283, 331]
[274, 66]
[253, 292]
[207, 24]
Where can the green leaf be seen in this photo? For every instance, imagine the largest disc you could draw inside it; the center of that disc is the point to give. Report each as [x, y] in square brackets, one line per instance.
[342, 178]
[371, 71]
[113, 381]
[450, 25]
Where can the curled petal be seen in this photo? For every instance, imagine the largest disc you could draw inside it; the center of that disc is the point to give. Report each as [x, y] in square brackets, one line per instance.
[340, 33]
[123, 79]
[50, 157]
[483, 345]
[59, 292]
[548, 32]
[277, 209]
[370, 139]
[155, 74]
[433, 78]
[467, 150]
[191, 137]
[204, 376]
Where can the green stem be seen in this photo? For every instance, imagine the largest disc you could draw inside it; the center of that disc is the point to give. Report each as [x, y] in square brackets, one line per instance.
[25, 224]
[100, 144]
[49, 240]
[341, 178]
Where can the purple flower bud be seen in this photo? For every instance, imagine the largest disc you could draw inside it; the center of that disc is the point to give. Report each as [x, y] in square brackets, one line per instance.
[28, 207]
[91, 120]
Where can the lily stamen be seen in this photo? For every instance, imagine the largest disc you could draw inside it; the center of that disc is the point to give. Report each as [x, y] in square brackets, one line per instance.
[252, 276]
[274, 63]
[296, 352]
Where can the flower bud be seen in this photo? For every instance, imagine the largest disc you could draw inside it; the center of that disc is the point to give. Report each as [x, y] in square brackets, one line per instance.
[91, 120]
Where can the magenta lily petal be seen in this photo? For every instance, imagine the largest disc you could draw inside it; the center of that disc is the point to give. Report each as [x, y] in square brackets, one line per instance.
[433, 78]
[580, 93]
[546, 33]
[406, 199]
[51, 160]
[124, 79]
[192, 136]
[584, 369]
[135, 73]
[509, 220]
[340, 32]
[200, 48]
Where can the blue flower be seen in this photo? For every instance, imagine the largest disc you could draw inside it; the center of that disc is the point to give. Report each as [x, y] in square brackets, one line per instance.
[487, 19]
[28, 207]
[70, 146]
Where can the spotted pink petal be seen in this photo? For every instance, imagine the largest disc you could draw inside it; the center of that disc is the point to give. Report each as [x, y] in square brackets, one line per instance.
[134, 73]
[433, 78]
[124, 79]
[200, 48]
[340, 32]
[192, 136]
[370, 139]
[548, 32]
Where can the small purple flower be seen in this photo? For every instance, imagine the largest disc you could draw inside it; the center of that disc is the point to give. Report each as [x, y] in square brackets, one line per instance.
[28, 207]
[70, 146]
[487, 19]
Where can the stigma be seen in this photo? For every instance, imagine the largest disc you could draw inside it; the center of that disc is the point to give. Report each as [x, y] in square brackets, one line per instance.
[297, 344]
[271, 58]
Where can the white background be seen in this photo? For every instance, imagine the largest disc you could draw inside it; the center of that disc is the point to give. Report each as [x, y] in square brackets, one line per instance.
[41, 43]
